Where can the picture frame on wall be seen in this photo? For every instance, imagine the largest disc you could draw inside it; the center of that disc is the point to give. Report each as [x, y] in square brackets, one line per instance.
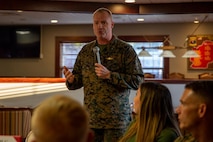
[202, 45]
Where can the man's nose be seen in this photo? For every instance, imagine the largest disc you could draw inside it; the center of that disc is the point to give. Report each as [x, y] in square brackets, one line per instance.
[177, 110]
[100, 25]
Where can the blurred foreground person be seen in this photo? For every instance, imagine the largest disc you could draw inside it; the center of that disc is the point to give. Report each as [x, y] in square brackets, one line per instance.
[195, 112]
[154, 116]
[30, 137]
[61, 119]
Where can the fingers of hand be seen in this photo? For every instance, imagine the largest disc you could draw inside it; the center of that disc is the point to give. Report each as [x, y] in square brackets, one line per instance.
[68, 74]
[65, 68]
[101, 72]
[70, 77]
[98, 71]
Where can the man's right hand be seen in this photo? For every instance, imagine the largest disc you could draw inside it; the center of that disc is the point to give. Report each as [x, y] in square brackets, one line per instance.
[68, 75]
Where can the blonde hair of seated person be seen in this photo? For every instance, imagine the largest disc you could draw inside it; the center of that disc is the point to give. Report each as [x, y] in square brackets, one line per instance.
[153, 113]
[61, 119]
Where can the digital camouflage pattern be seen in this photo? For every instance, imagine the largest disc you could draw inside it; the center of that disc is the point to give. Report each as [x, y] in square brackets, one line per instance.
[108, 135]
[107, 100]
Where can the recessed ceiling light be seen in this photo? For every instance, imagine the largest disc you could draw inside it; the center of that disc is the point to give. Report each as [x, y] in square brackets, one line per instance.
[54, 21]
[196, 21]
[129, 1]
[140, 19]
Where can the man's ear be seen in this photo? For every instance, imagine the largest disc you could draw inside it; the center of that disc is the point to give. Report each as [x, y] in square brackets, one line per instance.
[202, 110]
[113, 25]
[91, 136]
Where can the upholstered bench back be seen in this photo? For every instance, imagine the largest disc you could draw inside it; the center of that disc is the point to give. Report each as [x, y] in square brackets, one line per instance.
[15, 121]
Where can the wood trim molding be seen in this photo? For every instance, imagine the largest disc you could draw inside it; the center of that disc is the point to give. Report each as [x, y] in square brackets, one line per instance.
[63, 39]
[144, 38]
[62, 80]
[59, 40]
[67, 6]
[31, 80]
[176, 8]
[151, 38]
[116, 8]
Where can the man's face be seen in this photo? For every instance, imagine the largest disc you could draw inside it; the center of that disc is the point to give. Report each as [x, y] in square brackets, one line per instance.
[102, 25]
[188, 110]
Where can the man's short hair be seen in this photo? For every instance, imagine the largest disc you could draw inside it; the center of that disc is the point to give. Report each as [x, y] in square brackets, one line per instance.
[203, 89]
[102, 9]
[60, 119]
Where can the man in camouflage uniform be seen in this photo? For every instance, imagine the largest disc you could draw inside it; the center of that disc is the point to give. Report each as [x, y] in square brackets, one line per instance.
[107, 85]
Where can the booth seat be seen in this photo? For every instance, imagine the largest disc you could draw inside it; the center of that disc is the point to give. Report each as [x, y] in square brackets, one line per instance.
[15, 121]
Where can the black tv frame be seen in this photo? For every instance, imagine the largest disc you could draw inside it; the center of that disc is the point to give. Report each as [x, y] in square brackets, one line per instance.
[20, 41]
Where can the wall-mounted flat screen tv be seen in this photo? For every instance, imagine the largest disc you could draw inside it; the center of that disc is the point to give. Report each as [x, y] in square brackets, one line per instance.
[21, 41]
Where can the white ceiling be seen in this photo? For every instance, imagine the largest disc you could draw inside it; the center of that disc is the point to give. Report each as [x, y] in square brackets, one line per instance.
[33, 17]
[27, 17]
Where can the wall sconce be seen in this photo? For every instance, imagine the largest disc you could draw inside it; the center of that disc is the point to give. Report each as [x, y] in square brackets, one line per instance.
[144, 53]
[167, 54]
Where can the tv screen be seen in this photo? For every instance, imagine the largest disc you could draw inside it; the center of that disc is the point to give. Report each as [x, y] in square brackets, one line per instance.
[20, 41]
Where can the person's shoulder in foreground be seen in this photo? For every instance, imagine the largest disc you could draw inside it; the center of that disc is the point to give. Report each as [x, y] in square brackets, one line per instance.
[186, 138]
[167, 135]
[60, 118]
[30, 137]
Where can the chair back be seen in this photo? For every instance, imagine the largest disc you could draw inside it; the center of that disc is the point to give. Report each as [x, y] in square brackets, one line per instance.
[149, 75]
[176, 75]
[205, 75]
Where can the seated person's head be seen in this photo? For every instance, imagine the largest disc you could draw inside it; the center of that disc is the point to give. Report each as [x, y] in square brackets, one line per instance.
[153, 111]
[154, 100]
[60, 119]
[196, 106]
[153, 106]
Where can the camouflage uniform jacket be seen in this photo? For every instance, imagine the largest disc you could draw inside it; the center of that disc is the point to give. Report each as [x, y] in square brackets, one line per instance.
[107, 100]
